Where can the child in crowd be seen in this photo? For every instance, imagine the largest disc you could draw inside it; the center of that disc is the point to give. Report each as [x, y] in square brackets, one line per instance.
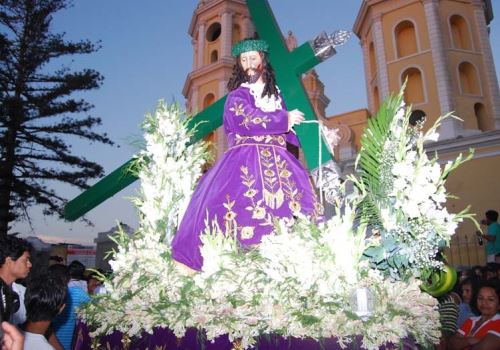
[44, 300]
[65, 323]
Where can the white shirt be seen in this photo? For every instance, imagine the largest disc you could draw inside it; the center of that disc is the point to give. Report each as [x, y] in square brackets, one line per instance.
[33, 341]
[78, 283]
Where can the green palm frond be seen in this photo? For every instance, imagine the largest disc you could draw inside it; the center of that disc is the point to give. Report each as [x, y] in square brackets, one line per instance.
[369, 161]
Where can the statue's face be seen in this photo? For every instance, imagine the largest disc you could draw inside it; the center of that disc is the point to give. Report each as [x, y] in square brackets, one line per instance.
[251, 62]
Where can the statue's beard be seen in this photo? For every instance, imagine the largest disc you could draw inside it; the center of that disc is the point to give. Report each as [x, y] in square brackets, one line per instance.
[252, 78]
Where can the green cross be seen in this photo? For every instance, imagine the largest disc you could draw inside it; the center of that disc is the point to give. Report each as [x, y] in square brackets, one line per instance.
[288, 66]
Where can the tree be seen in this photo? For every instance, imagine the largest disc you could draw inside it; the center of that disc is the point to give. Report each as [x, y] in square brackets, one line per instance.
[38, 111]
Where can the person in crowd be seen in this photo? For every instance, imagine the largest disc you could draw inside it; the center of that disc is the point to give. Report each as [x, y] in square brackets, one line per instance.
[478, 271]
[14, 264]
[93, 283]
[44, 300]
[492, 236]
[462, 275]
[12, 338]
[77, 275]
[490, 272]
[257, 180]
[468, 289]
[448, 314]
[64, 324]
[481, 332]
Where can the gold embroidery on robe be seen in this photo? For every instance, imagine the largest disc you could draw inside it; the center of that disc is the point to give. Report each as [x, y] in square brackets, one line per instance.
[239, 139]
[230, 223]
[258, 212]
[272, 192]
[237, 109]
[246, 232]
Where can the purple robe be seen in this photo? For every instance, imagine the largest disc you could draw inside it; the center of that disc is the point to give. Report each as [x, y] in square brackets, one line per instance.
[254, 182]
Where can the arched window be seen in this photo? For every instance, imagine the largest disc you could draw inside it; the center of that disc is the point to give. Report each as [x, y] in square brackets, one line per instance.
[236, 34]
[406, 39]
[460, 33]
[373, 62]
[208, 100]
[213, 32]
[481, 116]
[214, 56]
[416, 116]
[376, 99]
[414, 92]
[469, 80]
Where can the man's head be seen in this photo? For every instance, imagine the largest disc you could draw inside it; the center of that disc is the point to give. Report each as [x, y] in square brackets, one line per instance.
[491, 216]
[44, 298]
[250, 54]
[251, 64]
[14, 258]
[76, 270]
[60, 272]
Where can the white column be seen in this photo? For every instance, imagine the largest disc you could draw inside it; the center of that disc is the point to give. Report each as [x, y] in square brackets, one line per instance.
[382, 77]
[450, 128]
[194, 101]
[201, 43]
[222, 87]
[439, 58]
[226, 34]
[368, 74]
[490, 76]
[195, 54]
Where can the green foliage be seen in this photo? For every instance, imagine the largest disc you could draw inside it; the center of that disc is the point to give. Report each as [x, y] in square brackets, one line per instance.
[403, 193]
[369, 160]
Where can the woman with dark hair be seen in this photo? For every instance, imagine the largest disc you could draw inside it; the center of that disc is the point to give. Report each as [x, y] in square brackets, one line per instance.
[257, 180]
[467, 290]
[481, 332]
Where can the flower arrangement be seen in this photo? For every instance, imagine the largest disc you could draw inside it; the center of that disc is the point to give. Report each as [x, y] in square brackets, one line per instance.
[367, 245]
[404, 194]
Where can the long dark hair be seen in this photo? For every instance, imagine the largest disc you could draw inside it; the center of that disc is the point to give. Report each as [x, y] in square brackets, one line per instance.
[239, 76]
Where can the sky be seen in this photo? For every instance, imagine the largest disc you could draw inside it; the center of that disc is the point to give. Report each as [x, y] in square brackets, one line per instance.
[146, 55]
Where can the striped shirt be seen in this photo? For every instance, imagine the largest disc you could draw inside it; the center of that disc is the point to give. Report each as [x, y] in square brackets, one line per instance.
[64, 324]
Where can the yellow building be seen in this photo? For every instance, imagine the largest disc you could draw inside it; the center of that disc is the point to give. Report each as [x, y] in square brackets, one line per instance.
[440, 47]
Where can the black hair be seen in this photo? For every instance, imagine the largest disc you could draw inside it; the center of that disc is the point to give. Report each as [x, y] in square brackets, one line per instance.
[493, 284]
[43, 298]
[76, 270]
[473, 282]
[56, 259]
[492, 215]
[239, 76]
[12, 247]
[60, 272]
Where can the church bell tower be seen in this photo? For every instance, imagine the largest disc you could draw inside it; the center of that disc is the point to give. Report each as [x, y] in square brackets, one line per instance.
[215, 27]
[442, 49]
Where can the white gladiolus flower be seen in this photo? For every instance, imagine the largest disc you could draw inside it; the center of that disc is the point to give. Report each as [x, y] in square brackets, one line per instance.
[299, 280]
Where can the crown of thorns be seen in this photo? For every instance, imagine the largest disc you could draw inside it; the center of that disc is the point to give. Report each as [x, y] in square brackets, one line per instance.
[249, 45]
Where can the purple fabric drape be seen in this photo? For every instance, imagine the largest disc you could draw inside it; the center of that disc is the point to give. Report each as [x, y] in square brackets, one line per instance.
[164, 339]
[255, 181]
